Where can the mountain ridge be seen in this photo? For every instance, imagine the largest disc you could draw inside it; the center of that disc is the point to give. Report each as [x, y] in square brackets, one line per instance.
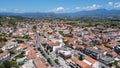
[97, 12]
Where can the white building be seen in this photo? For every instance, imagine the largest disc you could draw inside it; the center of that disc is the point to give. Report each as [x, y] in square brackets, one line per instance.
[4, 56]
[92, 62]
[9, 45]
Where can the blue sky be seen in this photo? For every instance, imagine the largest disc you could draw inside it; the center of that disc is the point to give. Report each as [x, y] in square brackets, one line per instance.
[56, 5]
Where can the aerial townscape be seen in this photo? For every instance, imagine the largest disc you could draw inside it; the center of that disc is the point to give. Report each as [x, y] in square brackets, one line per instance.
[58, 38]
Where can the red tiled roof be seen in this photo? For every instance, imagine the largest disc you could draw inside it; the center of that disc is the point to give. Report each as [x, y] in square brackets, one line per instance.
[103, 48]
[39, 63]
[91, 60]
[32, 54]
[3, 54]
[81, 47]
[52, 43]
[112, 54]
[24, 46]
[32, 40]
[83, 64]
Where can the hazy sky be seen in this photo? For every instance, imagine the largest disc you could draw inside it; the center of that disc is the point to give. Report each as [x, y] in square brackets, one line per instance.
[56, 5]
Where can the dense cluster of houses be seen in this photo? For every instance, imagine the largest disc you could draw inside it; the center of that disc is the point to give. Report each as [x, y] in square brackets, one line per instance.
[99, 44]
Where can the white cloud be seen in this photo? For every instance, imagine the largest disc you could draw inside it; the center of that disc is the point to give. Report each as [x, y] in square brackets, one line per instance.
[92, 7]
[117, 5]
[77, 8]
[87, 8]
[3, 9]
[58, 9]
[114, 5]
[110, 3]
[16, 9]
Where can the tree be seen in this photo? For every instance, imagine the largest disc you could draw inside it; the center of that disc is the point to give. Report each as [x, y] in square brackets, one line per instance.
[6, 63]
[34, 28]
[80, 58]
[49, 60]
[56, 61]
[12, 23]
[1, 51]
[2, 66]
[11, 52]
[14, 64]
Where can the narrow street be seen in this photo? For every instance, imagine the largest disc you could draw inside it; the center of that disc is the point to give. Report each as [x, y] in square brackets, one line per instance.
[38, 43]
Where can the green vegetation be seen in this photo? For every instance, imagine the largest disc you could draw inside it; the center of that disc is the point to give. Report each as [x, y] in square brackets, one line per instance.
[44, 45]
[34, 28]
[1, 51]
[11, 52]
[4, 34]
[9, 64]
[2, 41]
[81, 58]
[47, 51]
[2, 44]
[56, 61]
[6, 63]
[68, 35]
[49, 61]
[113, 63]
[23, 37]
[2, 66]
[21, 55]
[42, 52]
[14, 64]
[20, 41]
[12, 23]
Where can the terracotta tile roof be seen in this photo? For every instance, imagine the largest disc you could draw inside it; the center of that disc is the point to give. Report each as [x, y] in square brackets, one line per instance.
[30, 48]
[24, 46]
[112, 54]
[103, 48]
[87, 36]
[91, 60]
[52, 43]
[31, 54]
[32, 40]
[39, 63]
[104, 36]
[74, 58]
[87, 43]
[83, 64]
[81, 47]
[3, 54]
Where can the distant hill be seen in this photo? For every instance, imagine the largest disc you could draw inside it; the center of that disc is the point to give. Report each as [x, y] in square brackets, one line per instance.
[97, 12]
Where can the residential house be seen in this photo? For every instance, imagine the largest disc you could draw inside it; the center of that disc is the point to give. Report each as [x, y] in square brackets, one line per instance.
[54, 45]
[112, 54]
[93, 52]
[22, 47]
[65, 54]
[4, 56]
[92, 62]
[82, 64]
[9, 45]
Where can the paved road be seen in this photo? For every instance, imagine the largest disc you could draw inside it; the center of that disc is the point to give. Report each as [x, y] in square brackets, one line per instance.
[14, 55]
[42, 48]
[76, 51]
